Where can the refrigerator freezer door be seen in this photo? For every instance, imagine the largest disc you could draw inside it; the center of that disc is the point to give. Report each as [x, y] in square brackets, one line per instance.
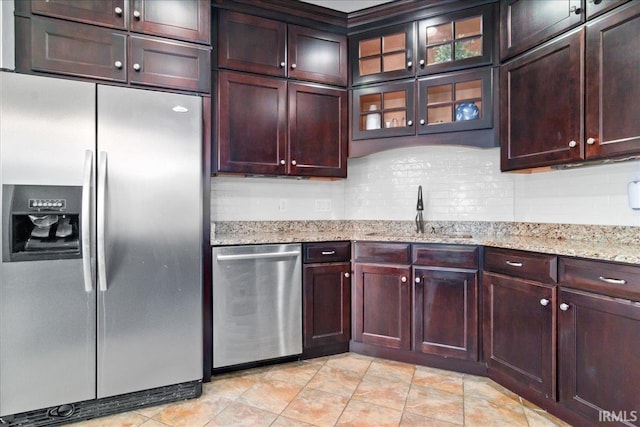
[150, 311]
[47, 316]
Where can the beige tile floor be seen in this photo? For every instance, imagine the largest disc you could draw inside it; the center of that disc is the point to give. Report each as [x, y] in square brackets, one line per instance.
[342, 390]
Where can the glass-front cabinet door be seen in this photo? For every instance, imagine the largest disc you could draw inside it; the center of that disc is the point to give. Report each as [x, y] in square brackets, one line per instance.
[383, 110]
[455, 41]
[456, 101]
[383, 54]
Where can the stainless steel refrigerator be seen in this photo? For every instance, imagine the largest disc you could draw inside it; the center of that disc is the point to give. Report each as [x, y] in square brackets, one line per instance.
[100, 279]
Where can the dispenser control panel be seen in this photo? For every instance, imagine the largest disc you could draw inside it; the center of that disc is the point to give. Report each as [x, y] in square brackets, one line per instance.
[47, 204]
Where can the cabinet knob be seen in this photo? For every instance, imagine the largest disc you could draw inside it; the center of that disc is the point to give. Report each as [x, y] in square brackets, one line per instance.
[409, 122]
[294, 66]
[591, 141]
[544, 302]
[282, 162]
[136, 14]
[293, 162]
[403, 279]
[422, 62]
[137, 67]
[118, 64]
[118, 11]
[283, 64]
[409, 64]
[576, 10]
[564, 307]
[418, 280]
[572, 144]
[347, 275]
[422, 122]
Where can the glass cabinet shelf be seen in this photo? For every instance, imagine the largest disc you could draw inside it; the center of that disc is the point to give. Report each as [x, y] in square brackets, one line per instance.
[456, 40]
[456, 101]
[384, 110]
[383, 54]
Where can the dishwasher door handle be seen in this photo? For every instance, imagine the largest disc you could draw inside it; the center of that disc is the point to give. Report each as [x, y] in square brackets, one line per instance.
[267, 255]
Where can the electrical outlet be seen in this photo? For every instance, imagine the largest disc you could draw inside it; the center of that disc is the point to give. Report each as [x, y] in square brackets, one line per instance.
[323, 205]
[282, 205]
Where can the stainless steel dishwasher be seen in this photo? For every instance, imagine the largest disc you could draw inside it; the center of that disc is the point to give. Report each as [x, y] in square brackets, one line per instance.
[257, 303]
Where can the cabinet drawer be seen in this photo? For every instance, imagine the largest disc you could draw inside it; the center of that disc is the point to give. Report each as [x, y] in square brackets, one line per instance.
[445, 255]
[382, 252]
[327, 252]
[617, 280]
[527, 265]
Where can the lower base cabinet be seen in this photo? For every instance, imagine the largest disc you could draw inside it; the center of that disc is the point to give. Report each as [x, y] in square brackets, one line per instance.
[599, 347]
[417, 303]
[519, 331]
[326, 296]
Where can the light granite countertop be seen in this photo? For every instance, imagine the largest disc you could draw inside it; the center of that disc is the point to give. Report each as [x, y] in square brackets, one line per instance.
[618, 244]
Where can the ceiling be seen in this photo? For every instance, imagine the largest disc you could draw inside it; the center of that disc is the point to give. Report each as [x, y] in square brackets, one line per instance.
[347, 5]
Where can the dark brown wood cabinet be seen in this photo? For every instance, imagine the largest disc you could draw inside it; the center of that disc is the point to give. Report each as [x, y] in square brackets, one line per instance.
[266, 46]
[560, 105]
[274, 127]
[382, 294]
[445, 300]
[519, 331]
[525, 24]
[417, 302]
[519, 323]
[382, 54]
[251, 43]
[446, 312]
[251, 137]
[76, 49]
[187, 20]
[612, 86]
[170, 64]
[456, 40]
[541, 105]
[383, 305]
[318, 131]
[109, 13]
[326, 305]
[92, 41]
[599, 338]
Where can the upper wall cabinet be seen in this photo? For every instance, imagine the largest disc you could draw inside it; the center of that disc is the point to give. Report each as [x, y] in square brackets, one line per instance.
[151, 43]
[385, 54]
[545, 120]
[525, 24]
[179, 19]
[457, 40]
[446, 42]
[265, 46]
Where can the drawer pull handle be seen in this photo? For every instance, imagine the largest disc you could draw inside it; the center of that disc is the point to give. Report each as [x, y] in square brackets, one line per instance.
[613, 281]
[328, 252]
[514, 264]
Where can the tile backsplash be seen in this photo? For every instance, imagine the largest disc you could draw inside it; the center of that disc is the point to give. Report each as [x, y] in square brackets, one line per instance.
[459, 184]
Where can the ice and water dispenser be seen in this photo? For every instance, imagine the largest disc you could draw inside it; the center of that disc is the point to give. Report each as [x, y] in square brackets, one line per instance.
[41, 222]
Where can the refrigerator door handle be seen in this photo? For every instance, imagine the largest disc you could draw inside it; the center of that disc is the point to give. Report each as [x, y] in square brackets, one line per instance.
[102, 257]
[86, 220]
